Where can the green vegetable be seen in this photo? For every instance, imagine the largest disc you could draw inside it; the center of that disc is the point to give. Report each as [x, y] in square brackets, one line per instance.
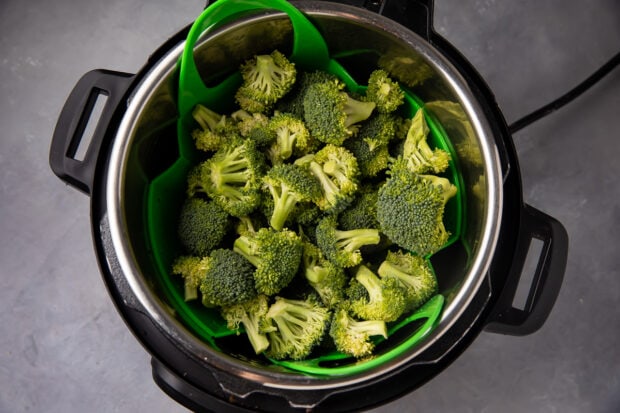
[266, 78]
[298, 326]
[289, 185]
[214, 130]
[343, 247]
[410, 209]
[275, 254]
[353, 337]
[202, 225]
[386, 297]
[415, 274]
[308, 200]
[224, 277]
[291, 136]
[336, 170]
[327, 279]
[251, 314]
[384, 92]
[331, 114]
[419, 156]
[231, 177]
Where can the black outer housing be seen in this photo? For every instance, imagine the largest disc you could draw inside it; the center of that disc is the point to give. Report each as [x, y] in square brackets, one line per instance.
[187, 381]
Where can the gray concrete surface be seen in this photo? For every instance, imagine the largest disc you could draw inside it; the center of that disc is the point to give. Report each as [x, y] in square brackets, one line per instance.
[64, 348]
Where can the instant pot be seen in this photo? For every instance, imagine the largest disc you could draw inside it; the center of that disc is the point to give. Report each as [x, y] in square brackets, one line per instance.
[134, 141]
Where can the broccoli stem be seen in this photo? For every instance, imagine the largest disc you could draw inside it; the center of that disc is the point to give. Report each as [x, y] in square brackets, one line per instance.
[191, 290]
[354, 239]
[330, 190]
[369, 327]
[258, 340]
[246, 247]
[371, 282]
[206, 118]
[356, 110]
[284, 202]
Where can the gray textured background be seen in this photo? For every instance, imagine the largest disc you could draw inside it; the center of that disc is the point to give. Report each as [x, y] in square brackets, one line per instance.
[63, 347]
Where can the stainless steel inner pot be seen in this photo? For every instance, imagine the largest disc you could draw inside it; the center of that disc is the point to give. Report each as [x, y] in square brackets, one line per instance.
[142, 148]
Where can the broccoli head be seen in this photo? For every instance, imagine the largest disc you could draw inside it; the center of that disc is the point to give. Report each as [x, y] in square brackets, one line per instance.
[251, 315]
[275, 254]
[293, 102]
[353, 337]
[202, 225]
[298, 326]
[386, 297]
[289, 185]
[291, 137]
[215, 129]
[414, 272]
[410, 209]
[254, 127]
[370, 160]
[416, 151]
[327, 279]
[193, 270]
[228, 279]
[331, 115]
[231, 177]
[362, 213]
[384, 92]
[266, 79]
[337, 171]
[343, 247]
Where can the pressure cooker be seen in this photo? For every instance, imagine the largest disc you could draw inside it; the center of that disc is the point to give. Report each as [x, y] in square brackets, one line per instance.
[134, 141]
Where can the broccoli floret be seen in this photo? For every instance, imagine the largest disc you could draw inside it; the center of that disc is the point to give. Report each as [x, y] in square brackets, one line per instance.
[370, 145]
[275, 254]
[343, 247]
[291, 137]
[386, 297]
[215, 129]
[384, 92]
[414, 272]
[289, 185]
[251, 314]
[410, 209]
[202, 225]
[370, 160]
[299, 325]
[192, 269]
[254, 126]
[338, 173]
[351, 336]
[331, 114]
[363, 210]
[293, 102]
[224, 277]
[228, 280]
[420, 157]
[231, 177]
[266, 79]
[327, 279]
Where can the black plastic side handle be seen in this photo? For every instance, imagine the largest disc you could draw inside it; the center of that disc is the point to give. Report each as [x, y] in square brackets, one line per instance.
[72, 122]
[547, 277]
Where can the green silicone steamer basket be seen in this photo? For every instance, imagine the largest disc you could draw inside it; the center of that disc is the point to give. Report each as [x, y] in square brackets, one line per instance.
[166, 194]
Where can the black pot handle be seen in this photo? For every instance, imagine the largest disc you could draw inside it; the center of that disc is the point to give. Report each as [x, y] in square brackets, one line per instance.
[547, 278]
[74, 118]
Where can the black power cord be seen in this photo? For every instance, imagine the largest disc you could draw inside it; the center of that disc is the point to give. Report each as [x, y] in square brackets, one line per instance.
[567, 97]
